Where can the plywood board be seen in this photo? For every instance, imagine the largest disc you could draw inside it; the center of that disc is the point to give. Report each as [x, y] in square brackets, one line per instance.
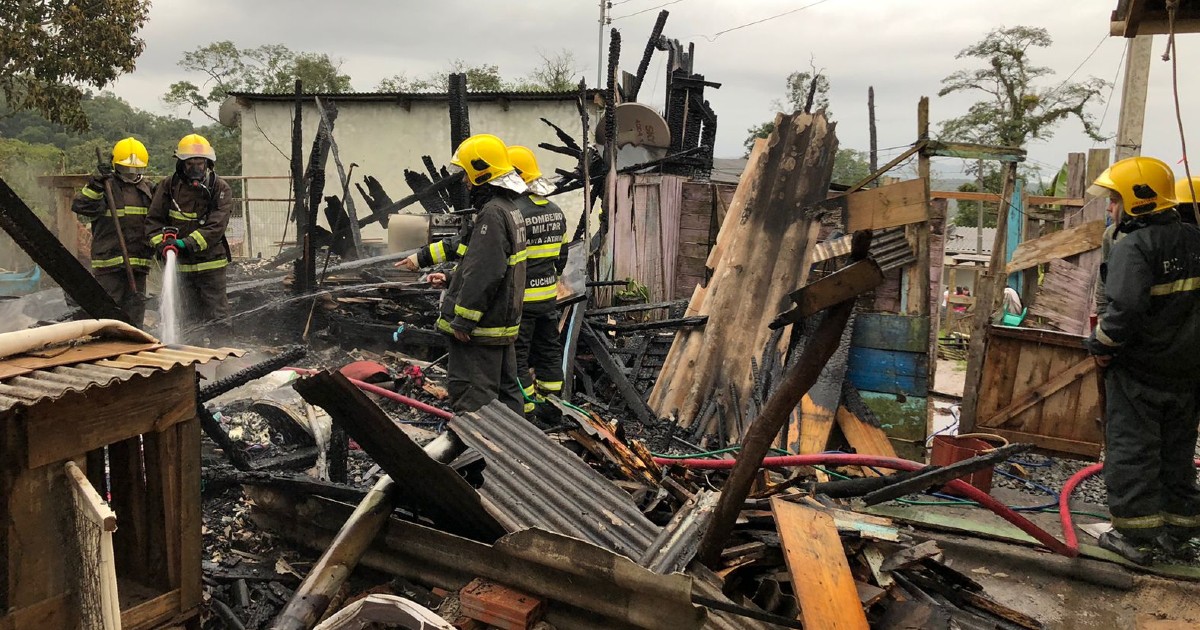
[1056, 245]
[887, 206]
[820, 573]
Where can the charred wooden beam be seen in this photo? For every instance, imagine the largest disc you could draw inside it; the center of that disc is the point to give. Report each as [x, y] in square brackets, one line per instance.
[435, 489]
[327, 576]
[758, 438]
[850, 281]
[327, 116]
[289, 355]
[460, 129]
[678, 322]
[652, 44]
[314, 180]
[616, 374]
[938, 476]
[28, 232]
[299, 213]
[297, 483]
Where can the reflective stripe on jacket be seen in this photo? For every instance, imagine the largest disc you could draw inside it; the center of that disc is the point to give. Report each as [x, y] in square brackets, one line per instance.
[545, 225]
[132, 202]
[485, 294]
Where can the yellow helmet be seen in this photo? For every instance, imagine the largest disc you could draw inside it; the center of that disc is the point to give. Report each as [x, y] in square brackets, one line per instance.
[1146, 185]
[526, 164]
[1102, 185]
[484, 158]
[130, 153]
[195, 145]
[1183, 191]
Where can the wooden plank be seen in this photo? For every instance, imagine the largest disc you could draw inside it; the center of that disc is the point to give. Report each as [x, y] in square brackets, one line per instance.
[1042, 337]
[821, 575]
[813, 424]
[1027, 400]
[873, 557]
[972, 151]
[886, 206]
[190, 517]
[80, 422]
[869, 594]
[55, 612]
[1034, 200]
[887, 331]
[37, 568]
[31, 362]
[1064, 446]
[911, 555]
[850, 281]
[864, 438]
[1056, 245]
[151, 613]
[889, 372]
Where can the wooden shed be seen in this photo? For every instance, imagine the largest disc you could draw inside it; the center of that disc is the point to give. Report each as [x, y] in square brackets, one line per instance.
[131, 401]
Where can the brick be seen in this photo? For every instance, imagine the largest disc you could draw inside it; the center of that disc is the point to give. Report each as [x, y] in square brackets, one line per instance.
[499, 605]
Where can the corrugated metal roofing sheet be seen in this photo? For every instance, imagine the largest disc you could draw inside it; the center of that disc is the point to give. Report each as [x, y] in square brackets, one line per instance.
[52, 383]
[531, 481]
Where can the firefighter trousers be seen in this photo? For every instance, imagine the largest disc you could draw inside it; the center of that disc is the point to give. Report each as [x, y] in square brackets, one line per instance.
[539, 348]
[203, 296]
[116, 285]
[1150, 445]
[479, 374]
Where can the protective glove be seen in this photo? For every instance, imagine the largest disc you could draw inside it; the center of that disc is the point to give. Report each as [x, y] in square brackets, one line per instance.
[1095, 348]
[96, 183]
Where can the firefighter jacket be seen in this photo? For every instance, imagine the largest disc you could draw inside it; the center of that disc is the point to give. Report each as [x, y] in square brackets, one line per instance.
[200, 214]
[132, 202]
[1152, 282]
[486, 290]
[545, 225]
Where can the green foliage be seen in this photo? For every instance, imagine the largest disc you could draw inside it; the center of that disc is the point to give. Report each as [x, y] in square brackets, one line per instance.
[52, 50]
[21, 163]
[850, 166]
[111, 119]
[558, 72]
[798, 87]
[270, 69]
[1015, 110]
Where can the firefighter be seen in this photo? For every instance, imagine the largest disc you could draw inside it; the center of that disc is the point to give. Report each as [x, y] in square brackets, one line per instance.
[1149, 342]
[539, 347]
[189, 215]
[131, 197]
[1185, 192]
[481, 308]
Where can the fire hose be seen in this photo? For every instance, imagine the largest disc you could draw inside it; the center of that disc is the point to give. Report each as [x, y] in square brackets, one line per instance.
[840, 459]
[386, 393]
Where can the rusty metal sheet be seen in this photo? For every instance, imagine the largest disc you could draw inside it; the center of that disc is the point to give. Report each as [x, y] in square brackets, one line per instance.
[52, 383]
[532, 481]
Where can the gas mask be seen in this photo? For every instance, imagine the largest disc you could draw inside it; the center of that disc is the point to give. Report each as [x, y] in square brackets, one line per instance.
[194, 169]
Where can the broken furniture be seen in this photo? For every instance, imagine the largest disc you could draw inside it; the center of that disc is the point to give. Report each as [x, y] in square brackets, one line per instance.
[118, 391]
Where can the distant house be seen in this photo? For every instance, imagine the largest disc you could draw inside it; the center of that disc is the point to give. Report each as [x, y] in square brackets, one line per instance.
[384, 133]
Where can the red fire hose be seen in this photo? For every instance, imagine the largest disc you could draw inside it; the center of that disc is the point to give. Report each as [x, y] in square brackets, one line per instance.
[1064, 501]
[375, 389]
[842, 459]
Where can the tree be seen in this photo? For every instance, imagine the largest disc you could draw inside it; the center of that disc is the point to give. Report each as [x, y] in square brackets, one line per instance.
[1016, 110]
[558, 72]
[52, 50]
[803, 92]
[270, 69]
[850, 166]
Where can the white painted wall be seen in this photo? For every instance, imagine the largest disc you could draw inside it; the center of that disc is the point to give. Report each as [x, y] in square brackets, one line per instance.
[384, 138]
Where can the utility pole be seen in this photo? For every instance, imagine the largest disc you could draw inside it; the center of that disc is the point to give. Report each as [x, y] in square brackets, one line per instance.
[871, 121]
[979, 224]
[605, 5]
[1133, 96]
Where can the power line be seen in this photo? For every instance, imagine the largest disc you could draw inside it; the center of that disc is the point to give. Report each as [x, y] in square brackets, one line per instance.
[768, 19]
[1081, 63]
[1112, 88]
[646, 10]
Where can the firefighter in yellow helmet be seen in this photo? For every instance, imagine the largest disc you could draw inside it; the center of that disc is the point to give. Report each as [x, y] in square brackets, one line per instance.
[189, 215]
[1186, 192]
[481, 309]
[131, 198]
[1148, 341]
[539, 347]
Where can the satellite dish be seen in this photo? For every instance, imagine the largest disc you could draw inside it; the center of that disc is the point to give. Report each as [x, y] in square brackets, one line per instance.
[642, 135]
[230, 112]
[640, 126]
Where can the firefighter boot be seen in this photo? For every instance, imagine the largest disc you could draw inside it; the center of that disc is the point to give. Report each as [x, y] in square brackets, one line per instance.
[1135, 551]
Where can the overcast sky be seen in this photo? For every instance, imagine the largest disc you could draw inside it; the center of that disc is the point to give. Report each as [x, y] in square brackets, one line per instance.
[901, 47]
